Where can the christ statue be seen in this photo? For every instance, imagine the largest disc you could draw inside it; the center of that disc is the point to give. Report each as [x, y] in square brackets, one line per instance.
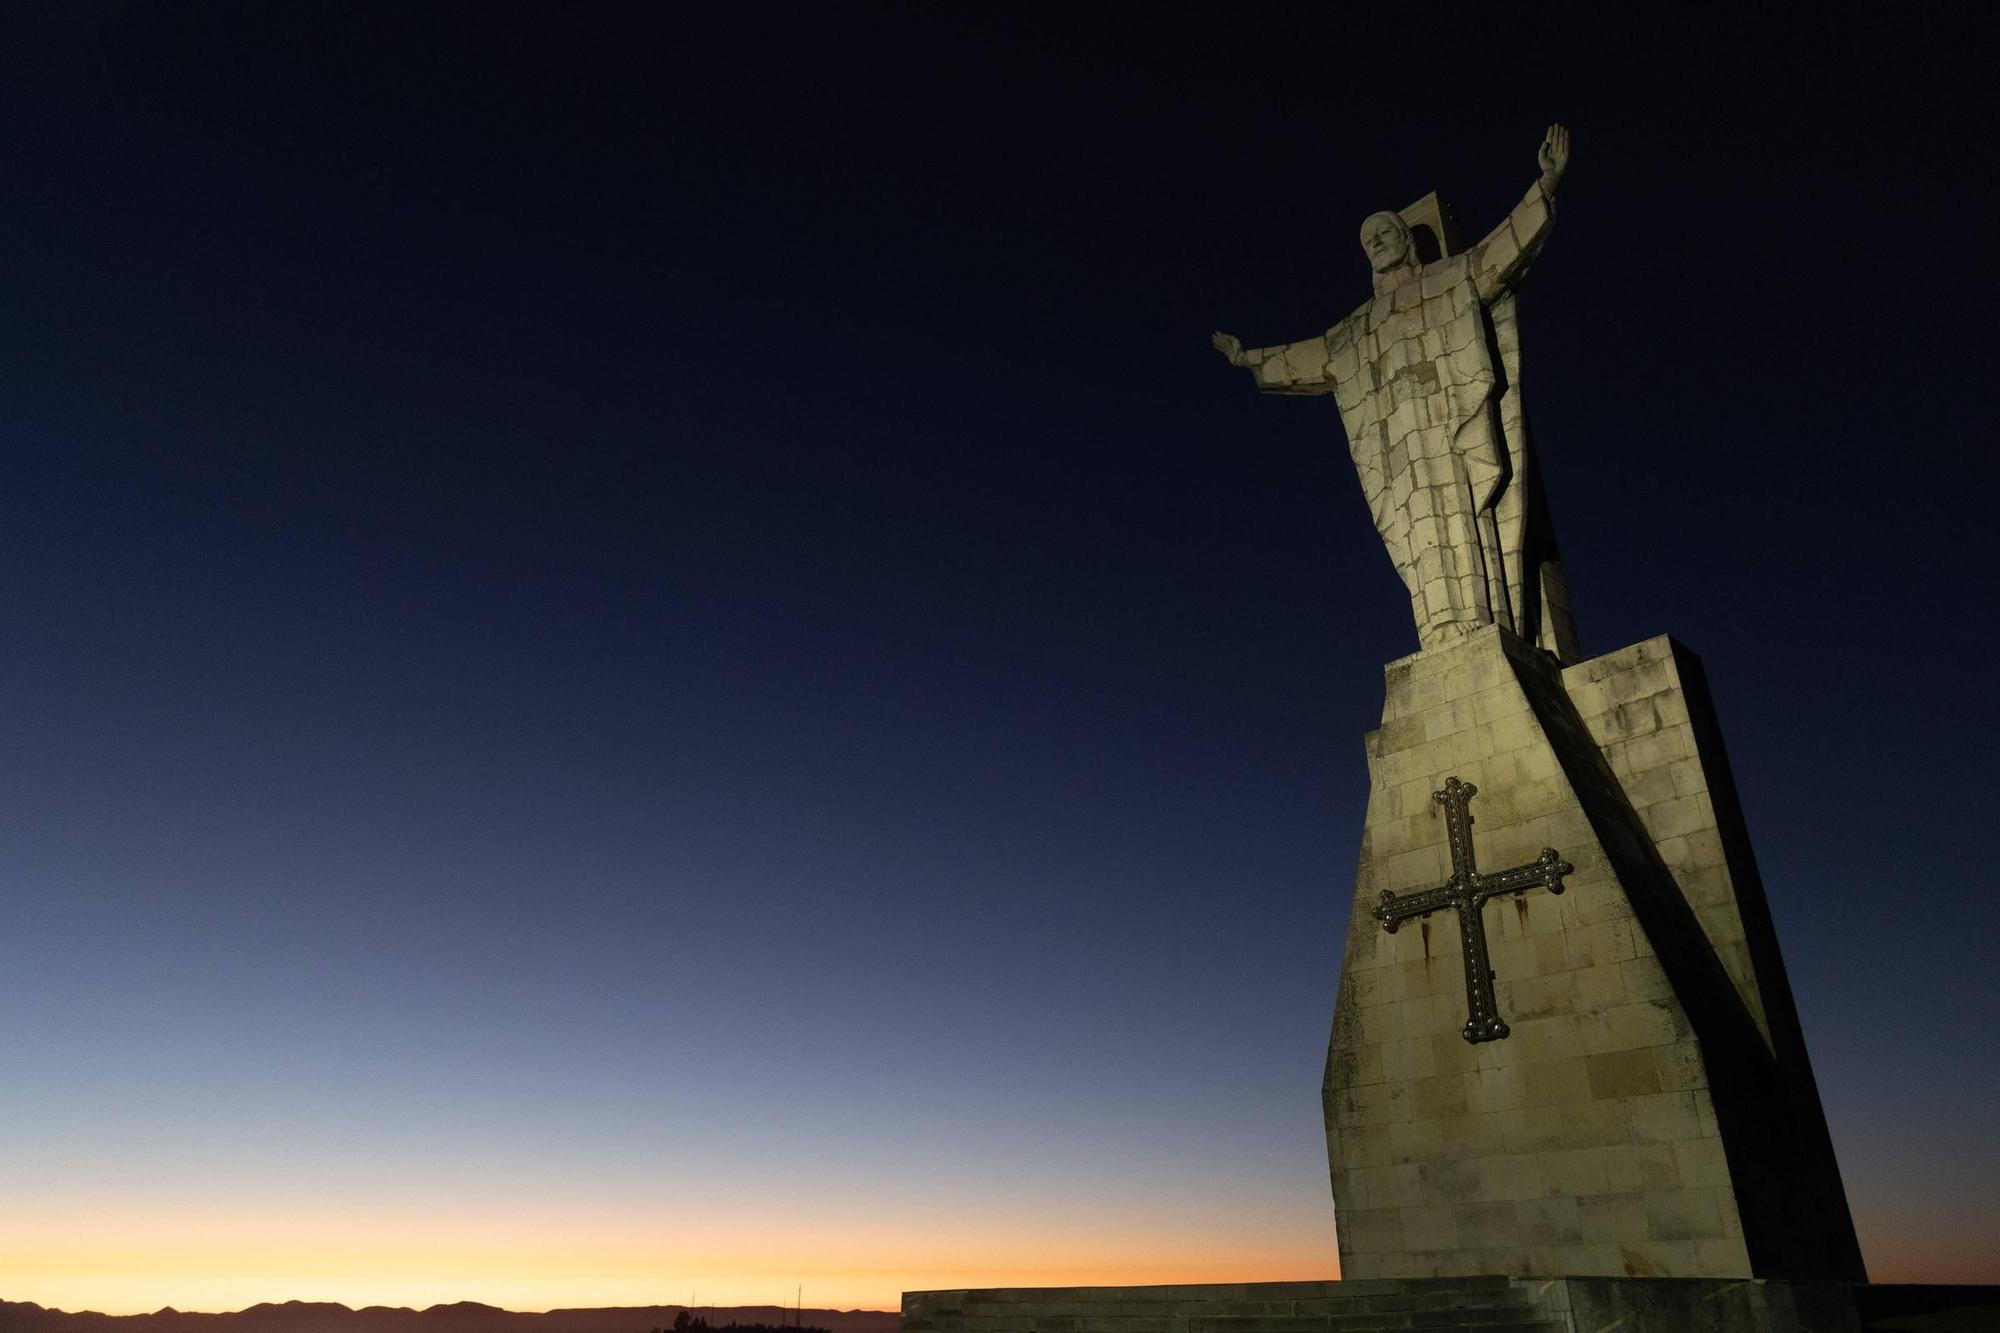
[1427, 376]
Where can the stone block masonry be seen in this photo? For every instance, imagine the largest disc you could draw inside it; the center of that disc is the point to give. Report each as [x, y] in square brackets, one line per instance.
[1437, 1305]
[1651, 1111]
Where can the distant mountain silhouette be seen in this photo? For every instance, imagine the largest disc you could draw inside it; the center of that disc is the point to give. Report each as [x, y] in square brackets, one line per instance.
[459, 1317]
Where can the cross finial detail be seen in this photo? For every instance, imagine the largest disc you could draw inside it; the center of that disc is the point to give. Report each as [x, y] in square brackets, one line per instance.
[1467, 890]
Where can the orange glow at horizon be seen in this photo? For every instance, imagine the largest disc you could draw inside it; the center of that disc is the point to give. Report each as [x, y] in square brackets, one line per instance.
[135, 1265]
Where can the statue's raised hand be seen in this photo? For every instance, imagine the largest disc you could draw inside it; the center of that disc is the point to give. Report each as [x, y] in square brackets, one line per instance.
[1554, 156]
[1229, 345]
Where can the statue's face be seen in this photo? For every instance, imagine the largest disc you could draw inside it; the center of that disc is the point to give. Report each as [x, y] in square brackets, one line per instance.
[1386, 240]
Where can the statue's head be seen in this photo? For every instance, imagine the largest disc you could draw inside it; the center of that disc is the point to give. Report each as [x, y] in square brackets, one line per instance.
[1385, 238]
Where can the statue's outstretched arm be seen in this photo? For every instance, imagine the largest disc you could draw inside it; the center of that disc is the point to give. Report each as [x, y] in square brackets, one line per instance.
[1501, 260]
[1299, 367]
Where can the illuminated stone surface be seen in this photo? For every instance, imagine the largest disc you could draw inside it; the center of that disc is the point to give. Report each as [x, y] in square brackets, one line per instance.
[1652, 1111]
[1427, 376]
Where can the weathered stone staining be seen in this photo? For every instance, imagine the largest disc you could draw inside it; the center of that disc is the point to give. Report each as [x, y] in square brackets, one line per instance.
[1427, 376]
[1467, 892]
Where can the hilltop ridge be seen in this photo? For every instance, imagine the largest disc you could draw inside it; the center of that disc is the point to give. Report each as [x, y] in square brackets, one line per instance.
[455, 1317]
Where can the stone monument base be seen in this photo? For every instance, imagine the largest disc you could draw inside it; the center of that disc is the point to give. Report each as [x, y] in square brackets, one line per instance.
[1601, 1073]
[1488, 1304]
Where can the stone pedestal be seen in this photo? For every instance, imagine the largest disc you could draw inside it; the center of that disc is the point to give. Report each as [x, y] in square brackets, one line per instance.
[1651, 1111]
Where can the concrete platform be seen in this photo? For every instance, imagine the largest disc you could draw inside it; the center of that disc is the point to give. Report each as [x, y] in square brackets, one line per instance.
[1487, 1304]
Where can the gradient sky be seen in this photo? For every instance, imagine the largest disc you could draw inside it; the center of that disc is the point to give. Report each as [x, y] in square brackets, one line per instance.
[644, 659]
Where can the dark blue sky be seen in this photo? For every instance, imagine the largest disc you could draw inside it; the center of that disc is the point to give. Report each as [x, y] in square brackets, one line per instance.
[657, 611]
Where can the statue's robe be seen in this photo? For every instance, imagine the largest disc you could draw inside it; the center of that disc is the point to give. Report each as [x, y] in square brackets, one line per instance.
[1427, 376]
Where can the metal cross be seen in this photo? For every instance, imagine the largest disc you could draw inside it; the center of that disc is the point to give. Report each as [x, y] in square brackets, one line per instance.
[1467, 890]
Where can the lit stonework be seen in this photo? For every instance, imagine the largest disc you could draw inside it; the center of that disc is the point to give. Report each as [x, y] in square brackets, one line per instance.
[1604, 1080]
[1427, 376]
[1571, 1093]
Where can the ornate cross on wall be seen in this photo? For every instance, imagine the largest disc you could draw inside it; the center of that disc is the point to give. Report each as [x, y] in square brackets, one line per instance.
[1467, 890]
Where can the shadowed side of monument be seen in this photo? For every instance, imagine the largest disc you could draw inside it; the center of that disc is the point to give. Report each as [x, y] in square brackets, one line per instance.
[1648, 759]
